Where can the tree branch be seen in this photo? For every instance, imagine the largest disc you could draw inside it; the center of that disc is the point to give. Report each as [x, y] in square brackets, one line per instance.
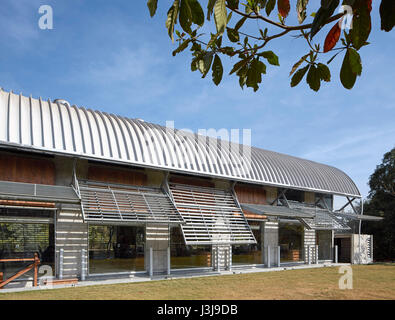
[290, 28]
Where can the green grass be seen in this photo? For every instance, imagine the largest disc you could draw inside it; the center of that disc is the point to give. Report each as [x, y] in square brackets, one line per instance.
[369, 282]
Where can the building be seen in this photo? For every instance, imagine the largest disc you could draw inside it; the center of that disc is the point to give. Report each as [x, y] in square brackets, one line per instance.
[98, 194]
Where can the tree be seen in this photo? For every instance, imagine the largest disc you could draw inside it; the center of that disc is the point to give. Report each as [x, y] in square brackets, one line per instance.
[251, 49]
[381, 202]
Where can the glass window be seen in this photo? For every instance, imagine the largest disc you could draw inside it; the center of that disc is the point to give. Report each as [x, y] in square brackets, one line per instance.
[249, 253]
[183, 256]
[294, 195]
[26, 213]
[116, 249]
[290, 237]
[328, 198]
[22, 241]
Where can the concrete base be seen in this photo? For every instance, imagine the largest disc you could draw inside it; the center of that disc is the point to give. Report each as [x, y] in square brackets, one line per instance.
[184, 274]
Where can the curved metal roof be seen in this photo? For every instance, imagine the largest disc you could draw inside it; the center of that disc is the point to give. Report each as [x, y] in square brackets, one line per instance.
[31, 123]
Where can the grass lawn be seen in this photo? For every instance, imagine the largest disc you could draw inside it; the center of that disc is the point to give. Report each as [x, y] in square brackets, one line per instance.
[369, 282]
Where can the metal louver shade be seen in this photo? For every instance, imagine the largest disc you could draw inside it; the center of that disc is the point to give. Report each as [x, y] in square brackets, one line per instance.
[212, 216]
[121, 204]
[279, 211]
[37, 192]
[323, 219]
[353, 216]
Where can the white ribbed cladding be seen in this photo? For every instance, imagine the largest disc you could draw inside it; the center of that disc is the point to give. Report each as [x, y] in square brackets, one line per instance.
[56, 127]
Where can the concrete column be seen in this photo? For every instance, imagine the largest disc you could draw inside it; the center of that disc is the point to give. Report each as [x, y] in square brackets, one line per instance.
[336, 254]
[83, 264]
[269, 236]
[221, 257]
[157, 237]
[278, 256]
[61, 254]
[309, 239]
[168, 260]
[151, 262]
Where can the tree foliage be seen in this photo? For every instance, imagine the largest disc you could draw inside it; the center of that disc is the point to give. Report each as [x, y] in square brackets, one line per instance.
[231, 39]
[381, 202]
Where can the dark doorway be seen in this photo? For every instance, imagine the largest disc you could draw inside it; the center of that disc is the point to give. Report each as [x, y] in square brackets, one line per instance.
[343, 249]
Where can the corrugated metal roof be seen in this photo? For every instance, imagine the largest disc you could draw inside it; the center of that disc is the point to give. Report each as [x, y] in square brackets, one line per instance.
[31, 123]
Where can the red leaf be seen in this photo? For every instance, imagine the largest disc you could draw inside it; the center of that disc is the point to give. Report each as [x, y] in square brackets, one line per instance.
[332, 38]
[369, 4]
[283, 7]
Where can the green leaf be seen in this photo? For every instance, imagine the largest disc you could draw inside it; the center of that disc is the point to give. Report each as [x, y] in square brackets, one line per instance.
[270, 6]
[324, 12]
[233, 35]
[324, 72]
[210, 8]
[298, 76]
[197, 12]
[237, 66]
[233, 4]
[301, 9]
[347, 76]
[220, 15]
[240, 23]
[355, 62]
[217, 69]
[261, 67]
[361, 27]
[185, 16]
[252, 78]
[152, 5]
[270, 56]
[313, 78]
[205, 63]
[183, 45]
[387, 14]
[172, 18]
[297, 64]
[242, 73]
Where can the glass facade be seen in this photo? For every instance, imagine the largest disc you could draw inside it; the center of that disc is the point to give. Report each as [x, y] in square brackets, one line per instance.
[249, 253]
[23, 241]
[116, 249]
[290, 237]
[183, 256]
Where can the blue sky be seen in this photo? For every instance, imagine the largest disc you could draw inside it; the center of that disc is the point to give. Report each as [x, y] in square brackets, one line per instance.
[110, 55]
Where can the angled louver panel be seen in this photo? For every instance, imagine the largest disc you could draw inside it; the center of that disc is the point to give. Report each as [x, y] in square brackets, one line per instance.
[277, 211]
[121, 204]
[323, 219]
[211, 216]
[20, 191]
